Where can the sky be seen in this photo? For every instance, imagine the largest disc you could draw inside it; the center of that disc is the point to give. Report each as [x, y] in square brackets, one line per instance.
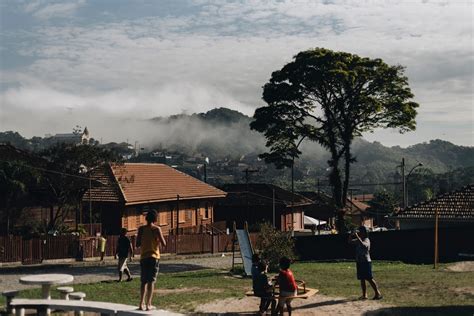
[108, 64]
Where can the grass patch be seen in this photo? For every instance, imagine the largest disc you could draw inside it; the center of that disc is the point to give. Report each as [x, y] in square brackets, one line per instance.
[403, 285]
[176, 291]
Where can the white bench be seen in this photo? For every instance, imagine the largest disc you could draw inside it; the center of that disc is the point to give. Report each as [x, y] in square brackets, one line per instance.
[41, 305]
[158, 312]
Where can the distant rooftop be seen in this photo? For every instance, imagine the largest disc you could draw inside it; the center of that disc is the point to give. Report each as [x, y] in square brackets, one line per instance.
[453, 206]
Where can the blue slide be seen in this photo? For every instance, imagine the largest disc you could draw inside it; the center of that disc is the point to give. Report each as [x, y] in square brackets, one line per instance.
[245, 250]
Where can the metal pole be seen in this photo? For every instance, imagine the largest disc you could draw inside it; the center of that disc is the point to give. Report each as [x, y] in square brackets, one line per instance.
[436, 241]
[292, 193]
[205, 172]
[177, 215]
[274, 225]
[404, 204]
[90, 204]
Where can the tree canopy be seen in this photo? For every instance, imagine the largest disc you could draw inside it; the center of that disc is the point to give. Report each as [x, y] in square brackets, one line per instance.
[331, 98]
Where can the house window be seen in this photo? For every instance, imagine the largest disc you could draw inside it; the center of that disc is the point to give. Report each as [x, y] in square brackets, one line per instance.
[137, 218]
[182, 216]
[163, 216]
[207, 212]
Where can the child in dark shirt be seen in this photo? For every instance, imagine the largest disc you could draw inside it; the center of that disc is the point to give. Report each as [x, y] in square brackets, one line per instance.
[255, 261]
[288, 287]
[263, 288]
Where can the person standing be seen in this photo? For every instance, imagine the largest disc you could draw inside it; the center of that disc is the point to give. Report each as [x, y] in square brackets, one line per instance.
[288, 286]
[101, 246]
[364, 262]
[148, 240]
[124, 251]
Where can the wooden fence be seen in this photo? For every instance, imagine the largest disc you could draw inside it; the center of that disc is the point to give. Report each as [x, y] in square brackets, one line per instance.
[35, 250]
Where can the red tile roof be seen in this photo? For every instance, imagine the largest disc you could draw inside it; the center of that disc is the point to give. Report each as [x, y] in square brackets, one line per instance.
[453, 206]
[140, 183]
[147, 182]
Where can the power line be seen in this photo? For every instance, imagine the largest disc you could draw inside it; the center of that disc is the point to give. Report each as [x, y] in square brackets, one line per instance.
[53, 171]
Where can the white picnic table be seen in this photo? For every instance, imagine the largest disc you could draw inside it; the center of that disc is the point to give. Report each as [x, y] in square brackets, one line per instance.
[46, 281]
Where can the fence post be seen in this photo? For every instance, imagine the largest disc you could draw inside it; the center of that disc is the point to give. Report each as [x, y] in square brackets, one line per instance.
[212, 239]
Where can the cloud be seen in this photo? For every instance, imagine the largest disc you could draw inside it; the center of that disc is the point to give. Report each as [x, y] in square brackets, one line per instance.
[220, 53]
[45, 10]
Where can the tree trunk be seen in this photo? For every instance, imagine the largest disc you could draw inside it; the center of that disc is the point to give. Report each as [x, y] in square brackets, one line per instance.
[347, 167]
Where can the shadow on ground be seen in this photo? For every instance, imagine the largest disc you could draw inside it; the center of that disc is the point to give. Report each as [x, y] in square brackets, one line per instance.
[323, 303]
[467, 310]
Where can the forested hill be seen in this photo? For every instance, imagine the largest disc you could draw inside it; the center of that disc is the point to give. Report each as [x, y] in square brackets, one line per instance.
[225, 133]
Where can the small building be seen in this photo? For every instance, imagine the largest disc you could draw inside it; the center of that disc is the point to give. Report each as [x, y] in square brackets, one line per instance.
[454, 209]
[129, 190]
[256, 203]
[76, 138]
[323, 207]
[357, 211]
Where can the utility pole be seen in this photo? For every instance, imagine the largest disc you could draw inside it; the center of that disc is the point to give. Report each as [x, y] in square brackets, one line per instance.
[293, 194]
[436, 254]
[177, 217]
[273, 208]
[247, 173]
[404, 187]
[90, 203]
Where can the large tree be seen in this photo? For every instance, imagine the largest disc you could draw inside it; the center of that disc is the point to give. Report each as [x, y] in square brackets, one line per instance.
[66, 177]
[16, 183]
[332, 97]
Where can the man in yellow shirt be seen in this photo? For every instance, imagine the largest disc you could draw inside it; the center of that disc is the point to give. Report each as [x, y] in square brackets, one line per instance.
[148, 240]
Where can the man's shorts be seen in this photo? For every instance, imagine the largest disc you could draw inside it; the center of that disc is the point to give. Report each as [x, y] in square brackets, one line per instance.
[149, 269]
[122, 263]
[364, 271]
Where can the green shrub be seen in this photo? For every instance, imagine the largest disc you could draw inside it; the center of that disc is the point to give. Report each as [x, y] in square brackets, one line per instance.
[274, 244]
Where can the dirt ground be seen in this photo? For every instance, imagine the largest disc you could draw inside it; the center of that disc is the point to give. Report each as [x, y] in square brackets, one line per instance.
[315, 305]
[464, 266]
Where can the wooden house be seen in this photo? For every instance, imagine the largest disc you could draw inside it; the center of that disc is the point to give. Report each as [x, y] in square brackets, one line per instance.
[129, 190]
[323, 207]
[453, 209]
[358, 213]
[255, 203]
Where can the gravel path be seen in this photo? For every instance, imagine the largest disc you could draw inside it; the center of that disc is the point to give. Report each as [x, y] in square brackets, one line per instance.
[91, 272]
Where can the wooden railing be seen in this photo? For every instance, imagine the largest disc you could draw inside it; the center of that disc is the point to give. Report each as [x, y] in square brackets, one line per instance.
[35, 250]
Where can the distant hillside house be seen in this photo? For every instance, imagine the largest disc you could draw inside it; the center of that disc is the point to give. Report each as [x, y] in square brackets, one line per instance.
[130, 190]
[253, 203]
[72, 138]
[455, 209]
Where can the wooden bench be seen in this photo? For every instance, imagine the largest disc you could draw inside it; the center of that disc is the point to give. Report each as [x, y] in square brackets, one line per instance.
[302, 291]
[308, 292]
[41, 305]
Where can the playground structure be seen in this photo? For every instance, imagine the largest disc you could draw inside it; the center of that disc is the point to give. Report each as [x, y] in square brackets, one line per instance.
[241, 240]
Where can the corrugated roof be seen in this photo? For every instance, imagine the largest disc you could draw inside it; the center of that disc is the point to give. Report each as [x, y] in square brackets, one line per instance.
[453, 206]
[147, 182]
[261, 194]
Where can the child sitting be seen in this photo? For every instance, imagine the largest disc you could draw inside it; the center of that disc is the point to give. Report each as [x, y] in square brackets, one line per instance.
[255, 271]
[263, 288]
[288, 287]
